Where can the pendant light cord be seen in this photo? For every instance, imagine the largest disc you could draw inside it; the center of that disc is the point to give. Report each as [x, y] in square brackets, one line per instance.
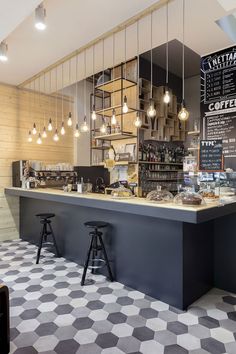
[137, 59]
[103, 99]
[125, 60]
[50, 103]
[56, 97]
[113, 63]
[151, 60]
[70, 103]
[93, 79]
[167, 42]
[76, 88]
[183, 59]
[39, 98]
[85, 99]
[62, 100]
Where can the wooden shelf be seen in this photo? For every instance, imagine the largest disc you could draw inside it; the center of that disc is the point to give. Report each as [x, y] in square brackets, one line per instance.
[162, 163]
[116, 136]
[193, 148]
[115, 85]
[164, 179]
[194, 132]
[165, 170]
[107, 112]
[100, 147]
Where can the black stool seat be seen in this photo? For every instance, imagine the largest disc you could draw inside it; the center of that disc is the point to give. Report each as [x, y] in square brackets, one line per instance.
[45, 232]
[96, 224]
[45, 216]
[96, 246]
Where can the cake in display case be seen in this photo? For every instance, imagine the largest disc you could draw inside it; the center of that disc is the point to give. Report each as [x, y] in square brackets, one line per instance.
[189, 198]
[121, 193]
[160, 196]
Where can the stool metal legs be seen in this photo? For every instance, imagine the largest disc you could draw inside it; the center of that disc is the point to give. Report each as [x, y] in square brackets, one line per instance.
[94, 248]
[43, 237]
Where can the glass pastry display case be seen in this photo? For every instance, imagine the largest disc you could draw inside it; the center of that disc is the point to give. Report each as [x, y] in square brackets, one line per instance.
[160, 196]
[121, 193]
[189, 198]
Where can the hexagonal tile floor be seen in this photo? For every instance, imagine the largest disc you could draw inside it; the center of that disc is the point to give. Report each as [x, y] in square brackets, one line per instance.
[51, 313]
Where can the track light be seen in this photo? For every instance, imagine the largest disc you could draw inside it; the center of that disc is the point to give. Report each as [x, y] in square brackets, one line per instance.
[3, 51]
[40, 15]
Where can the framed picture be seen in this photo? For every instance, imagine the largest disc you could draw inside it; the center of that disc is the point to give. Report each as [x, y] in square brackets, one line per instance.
[131, 149]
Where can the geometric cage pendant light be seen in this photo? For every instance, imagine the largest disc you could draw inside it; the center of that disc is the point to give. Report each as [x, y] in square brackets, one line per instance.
[183, 114]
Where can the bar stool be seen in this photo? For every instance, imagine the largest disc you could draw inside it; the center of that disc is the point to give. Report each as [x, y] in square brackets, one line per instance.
[96, 245]
[45, 232]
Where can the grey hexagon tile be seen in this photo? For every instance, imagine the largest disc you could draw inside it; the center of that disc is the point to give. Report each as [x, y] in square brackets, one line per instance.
[52, 314]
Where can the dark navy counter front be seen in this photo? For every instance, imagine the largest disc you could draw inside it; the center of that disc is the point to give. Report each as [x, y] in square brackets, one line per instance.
[173, 253]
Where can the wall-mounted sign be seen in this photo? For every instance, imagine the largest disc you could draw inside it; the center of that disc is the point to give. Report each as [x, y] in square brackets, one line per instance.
[218, 101]
[211, 156]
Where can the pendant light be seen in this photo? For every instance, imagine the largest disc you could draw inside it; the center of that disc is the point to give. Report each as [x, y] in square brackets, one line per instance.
[69, 120]
[63, 131]
[77, 132]
[125, 107]
[103, 128]
[138, 120]
[3, 52]
[166, 97]
[151, 112]
[50, 127]
[39, 140]
[94, 116]
[183, 114]
[30, 139]
[56, 136]
[34, 130]
[113, 117]
[84, 126]
[44, 133]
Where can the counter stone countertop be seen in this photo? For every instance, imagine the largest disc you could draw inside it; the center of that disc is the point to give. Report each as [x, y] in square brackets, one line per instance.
[192, 214]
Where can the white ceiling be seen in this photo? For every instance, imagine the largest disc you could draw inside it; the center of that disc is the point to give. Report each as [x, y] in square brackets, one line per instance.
[74, 23]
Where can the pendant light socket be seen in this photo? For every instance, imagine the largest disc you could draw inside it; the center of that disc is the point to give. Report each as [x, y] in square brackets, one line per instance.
[56, 136]
[44, 134]
[50, 125]
[85, 127]
[77, 132]
[30, 139]
[94, 116]
[69, 120]
[34, 130]
[125, 105]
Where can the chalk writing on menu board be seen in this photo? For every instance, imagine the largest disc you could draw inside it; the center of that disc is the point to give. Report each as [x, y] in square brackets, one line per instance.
[211, 156]
[218, 100]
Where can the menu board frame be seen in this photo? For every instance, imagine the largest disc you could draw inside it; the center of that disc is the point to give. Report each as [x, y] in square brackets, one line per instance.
[207, 145]
[218, 100]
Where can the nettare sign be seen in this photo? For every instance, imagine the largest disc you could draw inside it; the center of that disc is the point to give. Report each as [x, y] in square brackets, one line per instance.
[218, 101]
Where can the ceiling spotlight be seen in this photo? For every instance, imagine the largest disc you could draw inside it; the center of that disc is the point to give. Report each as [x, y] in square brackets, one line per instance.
[3, 52]
[40, 14]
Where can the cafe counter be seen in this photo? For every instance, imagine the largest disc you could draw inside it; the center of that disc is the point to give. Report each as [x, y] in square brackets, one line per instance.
[171, 252]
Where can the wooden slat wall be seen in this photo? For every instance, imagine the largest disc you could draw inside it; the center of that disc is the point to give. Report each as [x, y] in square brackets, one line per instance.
[18, 110]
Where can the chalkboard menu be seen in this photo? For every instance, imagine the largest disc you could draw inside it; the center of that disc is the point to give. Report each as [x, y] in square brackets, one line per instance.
[211, 156]
[218, 101]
